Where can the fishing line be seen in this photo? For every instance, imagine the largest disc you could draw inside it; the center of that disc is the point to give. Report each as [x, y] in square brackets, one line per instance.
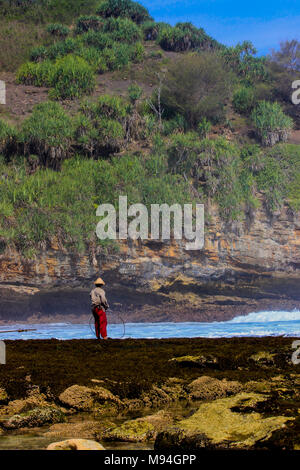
[91, 324]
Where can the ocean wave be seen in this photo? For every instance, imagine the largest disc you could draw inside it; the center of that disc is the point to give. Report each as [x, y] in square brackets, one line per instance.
[265, 317]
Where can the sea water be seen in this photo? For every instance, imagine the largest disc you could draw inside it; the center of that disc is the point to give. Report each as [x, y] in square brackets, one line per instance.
[277, 323]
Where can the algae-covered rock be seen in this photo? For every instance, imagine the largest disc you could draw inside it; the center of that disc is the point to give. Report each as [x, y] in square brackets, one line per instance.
[173, 387]
[34, 399]
[224, 423]
[263, 359]
[85, 429]
[3, 395]
[209, 388]
[75, 444]
[83, 398]
[34, 418]
[208, 361]
[138, 430]
[166, 393]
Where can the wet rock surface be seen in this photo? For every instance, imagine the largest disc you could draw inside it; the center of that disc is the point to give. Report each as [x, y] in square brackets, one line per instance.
[34, 418]
[83, 398]
[224, 423]
[76, 444]
[209, 388]
[138, 430]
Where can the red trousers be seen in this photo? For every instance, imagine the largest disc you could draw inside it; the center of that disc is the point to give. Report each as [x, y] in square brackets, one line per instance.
[100, 322]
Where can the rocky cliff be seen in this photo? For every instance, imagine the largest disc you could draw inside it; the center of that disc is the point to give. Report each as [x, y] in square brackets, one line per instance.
[244, 267]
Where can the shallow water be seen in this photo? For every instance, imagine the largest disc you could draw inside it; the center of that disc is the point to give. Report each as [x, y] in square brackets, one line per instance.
[38, 439]
[41, 441]
[281, 323]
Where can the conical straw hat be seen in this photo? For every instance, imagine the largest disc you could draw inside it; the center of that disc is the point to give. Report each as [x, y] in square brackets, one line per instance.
[99, 281]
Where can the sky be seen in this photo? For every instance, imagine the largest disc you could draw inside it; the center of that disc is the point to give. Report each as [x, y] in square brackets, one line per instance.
[264, 22]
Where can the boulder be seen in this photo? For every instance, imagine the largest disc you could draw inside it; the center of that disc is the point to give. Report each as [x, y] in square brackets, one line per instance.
[209, 388]
[34, 399]
[209, 361]
[75, 444]
[83, 398]
[34, 418]
[138, 430]
[226, 423]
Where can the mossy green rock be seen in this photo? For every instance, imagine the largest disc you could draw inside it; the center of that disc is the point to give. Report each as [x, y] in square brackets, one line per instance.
[208, 361]
[138, 430]
[263, 359]
[3, 395]
[34, 418]
[224, 423]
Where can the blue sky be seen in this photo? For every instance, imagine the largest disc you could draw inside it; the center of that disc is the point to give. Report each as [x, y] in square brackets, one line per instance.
[266, 23]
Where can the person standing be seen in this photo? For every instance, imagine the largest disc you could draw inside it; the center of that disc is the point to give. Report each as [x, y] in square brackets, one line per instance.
[99, 307]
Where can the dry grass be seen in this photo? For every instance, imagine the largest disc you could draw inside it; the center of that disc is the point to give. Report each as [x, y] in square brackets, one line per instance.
[16, 41]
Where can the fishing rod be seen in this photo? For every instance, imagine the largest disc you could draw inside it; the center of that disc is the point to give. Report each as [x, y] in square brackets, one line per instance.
[18, 331]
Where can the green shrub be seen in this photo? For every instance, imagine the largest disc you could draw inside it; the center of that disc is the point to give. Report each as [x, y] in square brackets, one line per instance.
[288, 181]
[241, 59]
[138, 52]
[37, 74]
[48, 133]
[7, 137]
[114, 107]
[172, 39]
[111, 134]
[272, 181]
[72, 77]
[151, 30]
[94, 58]
[175, 125]
[110, 59]
[97, 39]
[119, 57]
[134, 92]
[86, 23]
[58, 30]
[108, 106]
[215, 169]
[101, 127]
[243, 100]
[182, 152]
[99, 136]
[203, 128]
[271, 124]
[124, 8]
[62, 48]
[196, 86]
[183, 37]
[38, 54]
[123, 29]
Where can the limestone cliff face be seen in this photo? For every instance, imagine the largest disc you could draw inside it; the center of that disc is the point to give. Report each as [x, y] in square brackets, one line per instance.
[243, 267]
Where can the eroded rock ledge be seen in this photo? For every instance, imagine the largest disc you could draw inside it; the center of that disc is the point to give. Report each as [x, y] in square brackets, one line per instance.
[245, 267]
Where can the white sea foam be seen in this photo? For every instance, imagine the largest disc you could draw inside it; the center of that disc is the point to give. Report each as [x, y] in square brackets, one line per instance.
[273, 316]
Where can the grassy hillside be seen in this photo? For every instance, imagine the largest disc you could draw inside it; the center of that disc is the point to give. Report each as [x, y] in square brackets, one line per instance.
[104, 101]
